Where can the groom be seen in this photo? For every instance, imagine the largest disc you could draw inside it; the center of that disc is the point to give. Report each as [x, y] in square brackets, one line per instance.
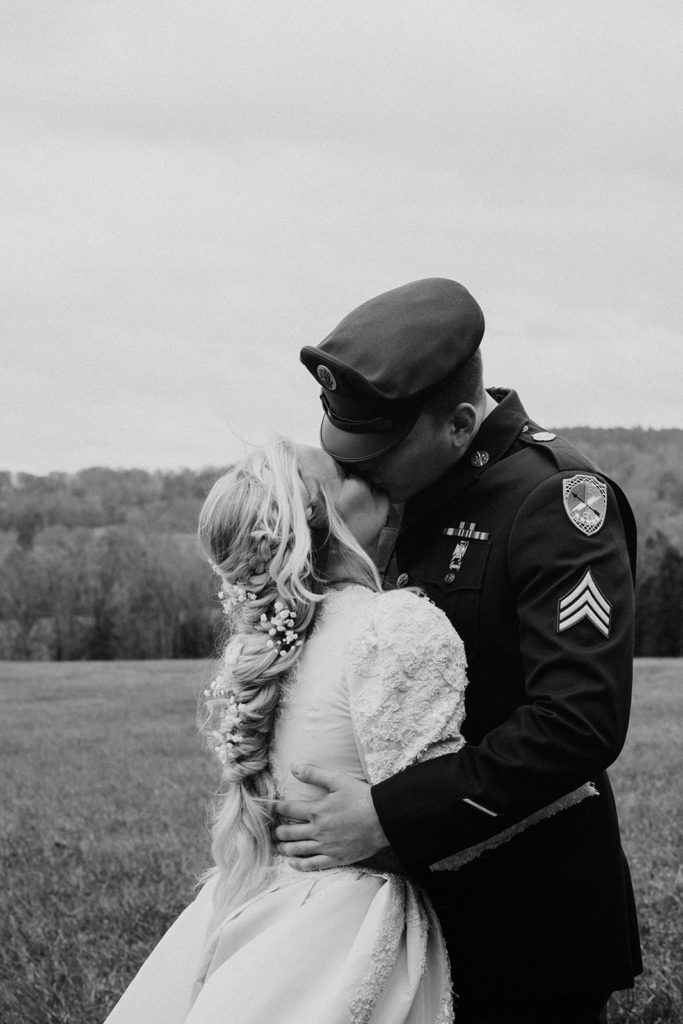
[529, 550]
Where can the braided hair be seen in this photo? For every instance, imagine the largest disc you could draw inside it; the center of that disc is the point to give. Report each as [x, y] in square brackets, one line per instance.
[270, 543]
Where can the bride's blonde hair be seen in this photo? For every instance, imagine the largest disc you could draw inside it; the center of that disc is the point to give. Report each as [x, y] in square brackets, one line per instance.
[270, 540]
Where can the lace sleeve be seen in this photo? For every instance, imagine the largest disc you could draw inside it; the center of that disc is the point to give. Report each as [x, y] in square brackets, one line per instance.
[407, 679]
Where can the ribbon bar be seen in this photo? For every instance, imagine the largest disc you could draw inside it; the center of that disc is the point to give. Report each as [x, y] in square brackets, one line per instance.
[467, 531]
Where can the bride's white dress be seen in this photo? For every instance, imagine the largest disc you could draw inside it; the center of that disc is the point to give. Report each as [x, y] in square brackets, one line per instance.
[379, 685]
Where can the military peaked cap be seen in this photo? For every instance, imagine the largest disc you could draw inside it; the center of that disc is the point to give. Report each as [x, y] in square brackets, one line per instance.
[379, 365]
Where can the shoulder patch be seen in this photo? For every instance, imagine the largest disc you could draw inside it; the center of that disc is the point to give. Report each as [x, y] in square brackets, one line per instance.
[585, 502]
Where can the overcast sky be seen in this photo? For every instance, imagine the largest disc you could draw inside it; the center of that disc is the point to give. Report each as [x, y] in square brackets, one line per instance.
[190, 192]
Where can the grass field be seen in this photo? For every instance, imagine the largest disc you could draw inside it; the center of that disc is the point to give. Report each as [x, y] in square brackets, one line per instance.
[103, 830]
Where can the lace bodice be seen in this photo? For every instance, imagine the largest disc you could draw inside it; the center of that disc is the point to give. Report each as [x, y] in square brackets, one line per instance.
[380, 684]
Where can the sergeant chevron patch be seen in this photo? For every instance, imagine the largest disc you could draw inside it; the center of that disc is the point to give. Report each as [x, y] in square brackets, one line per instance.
[584, 601]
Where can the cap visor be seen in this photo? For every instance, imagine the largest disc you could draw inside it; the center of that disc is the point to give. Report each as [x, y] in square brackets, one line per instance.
[348, 447]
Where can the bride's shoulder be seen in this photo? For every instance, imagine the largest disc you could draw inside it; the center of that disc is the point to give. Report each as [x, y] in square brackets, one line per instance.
[400, 635]
[400, 619]
[386, 618]
[392, 606]
[346, 601]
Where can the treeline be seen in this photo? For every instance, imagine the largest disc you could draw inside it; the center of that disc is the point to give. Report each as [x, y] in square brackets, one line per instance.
[108, 593]
[159, 502]
[103, 564]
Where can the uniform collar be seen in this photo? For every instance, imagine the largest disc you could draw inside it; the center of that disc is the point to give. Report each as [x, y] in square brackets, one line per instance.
[496, 435]
[499, 430]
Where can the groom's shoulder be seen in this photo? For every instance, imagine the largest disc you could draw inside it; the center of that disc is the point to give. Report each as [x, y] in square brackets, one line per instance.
[554, 453]
[537, 456]
[541, 457]
[545, 455]
[549, 456]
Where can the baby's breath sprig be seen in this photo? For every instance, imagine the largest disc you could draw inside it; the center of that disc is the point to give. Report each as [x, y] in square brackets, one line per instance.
[232, 595]
[227, 733]
[281, 632]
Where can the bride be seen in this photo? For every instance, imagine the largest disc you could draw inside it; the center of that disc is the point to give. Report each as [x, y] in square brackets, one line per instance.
[320, 666]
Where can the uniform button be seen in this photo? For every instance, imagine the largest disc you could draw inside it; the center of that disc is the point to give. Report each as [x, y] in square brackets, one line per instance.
[402, 580]
[543, 435]
[479, 459]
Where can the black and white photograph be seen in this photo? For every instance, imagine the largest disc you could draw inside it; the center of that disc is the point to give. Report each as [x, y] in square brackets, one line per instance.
[341, 512]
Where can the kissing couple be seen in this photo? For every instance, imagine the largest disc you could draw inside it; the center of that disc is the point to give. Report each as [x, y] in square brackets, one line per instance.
[427, 672]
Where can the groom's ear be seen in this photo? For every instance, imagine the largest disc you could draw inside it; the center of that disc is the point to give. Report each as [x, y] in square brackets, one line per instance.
[462, 425]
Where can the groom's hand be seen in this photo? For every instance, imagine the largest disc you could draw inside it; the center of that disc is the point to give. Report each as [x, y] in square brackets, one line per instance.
[341, 827]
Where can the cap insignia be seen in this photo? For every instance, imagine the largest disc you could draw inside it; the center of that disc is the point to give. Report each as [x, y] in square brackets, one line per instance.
[326, 377]
[585, 502]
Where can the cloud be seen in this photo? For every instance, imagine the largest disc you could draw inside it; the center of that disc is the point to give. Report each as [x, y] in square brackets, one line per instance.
[192, 192]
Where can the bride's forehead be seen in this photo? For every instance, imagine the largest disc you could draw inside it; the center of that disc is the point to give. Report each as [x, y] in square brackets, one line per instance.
[314, 462]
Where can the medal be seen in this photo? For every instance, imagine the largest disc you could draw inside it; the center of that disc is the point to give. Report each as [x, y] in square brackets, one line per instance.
[459, 552]
[465, 533]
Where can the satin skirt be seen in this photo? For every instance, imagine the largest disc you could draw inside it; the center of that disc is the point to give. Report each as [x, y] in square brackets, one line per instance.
[329, 947]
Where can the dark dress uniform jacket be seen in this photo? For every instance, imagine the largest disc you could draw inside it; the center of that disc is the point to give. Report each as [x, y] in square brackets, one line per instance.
[552, 910]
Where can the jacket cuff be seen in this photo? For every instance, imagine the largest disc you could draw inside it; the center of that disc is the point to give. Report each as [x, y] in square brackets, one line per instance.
[423, 818]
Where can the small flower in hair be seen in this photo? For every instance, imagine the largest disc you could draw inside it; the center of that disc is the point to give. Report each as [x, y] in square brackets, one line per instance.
[232, 595]
[216, 688]
[228, 732]
[283, 637]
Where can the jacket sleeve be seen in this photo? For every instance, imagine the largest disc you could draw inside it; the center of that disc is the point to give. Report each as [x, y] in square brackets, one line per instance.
[573, 591]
